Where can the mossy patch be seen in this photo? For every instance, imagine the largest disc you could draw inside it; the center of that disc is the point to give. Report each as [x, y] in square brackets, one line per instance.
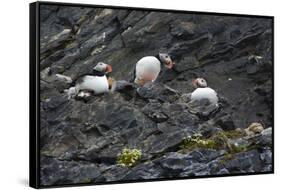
[218, 141]
[129, 157]
[234, 134]
[235, 150]
[240, 148]
[196, 141]
[48, 153]
[86, 180]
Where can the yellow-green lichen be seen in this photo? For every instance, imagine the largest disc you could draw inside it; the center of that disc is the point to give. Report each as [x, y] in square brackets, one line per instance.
[86, 180]
[220, 140]
[47, 153]
[233, 134]
[129, 157]
[196, 141]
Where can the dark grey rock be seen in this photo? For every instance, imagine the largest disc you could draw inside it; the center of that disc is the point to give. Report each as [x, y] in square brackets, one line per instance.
[165, 142]
[144, 171]
[127, 89]
[266, 156]
[153, 111]
[174, 163]
[157, 91]
[112, 173]
[204, 109]
[67, 172]
[54, 103]
[226, 123]
[183, 30]
[80, 140]
[242, 162]
[186, 63]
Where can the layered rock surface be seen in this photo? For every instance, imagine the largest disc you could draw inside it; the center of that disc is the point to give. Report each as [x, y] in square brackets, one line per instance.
[80, 140]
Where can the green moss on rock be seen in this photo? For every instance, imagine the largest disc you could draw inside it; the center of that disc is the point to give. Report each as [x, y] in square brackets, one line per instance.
[233, 134]
[129, 157]
[220, 140]
[196, 141]
[86, 180]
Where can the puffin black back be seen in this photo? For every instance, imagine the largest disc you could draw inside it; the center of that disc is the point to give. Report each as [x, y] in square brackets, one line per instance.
[200, 103]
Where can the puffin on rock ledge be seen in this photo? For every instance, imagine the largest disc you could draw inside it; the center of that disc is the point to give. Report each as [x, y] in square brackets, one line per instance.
[203, 92]
[96, 83]
[148, 68]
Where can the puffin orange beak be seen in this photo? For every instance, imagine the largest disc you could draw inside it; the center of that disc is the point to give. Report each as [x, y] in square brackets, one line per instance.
[108, 69]
[170, 64]
[194, 83]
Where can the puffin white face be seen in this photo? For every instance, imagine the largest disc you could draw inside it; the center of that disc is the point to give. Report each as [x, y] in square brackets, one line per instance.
[166, 59]
[199, 83]
[102, 67]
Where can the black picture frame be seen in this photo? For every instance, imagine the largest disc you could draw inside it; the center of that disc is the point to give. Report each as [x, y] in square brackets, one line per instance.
[34, 98]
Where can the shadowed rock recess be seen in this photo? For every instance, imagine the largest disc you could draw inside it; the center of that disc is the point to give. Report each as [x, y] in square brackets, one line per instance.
[81, 140]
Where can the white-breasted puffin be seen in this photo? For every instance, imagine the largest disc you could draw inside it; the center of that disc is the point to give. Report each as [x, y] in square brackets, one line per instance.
[202, 91]
[148, 68]
[94, 83]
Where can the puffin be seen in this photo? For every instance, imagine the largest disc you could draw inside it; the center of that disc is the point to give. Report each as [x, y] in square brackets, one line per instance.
[148, 68]
[202, 91]
[94, 83]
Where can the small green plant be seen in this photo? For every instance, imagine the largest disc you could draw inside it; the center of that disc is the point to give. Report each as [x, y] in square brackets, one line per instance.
[220, 140]
[129, 157]
[196, 141]
[239, 148]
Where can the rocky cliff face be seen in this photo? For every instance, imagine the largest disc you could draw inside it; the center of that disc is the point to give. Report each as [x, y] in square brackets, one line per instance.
[81, 140]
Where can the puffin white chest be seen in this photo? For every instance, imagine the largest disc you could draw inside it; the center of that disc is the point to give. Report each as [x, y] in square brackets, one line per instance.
[98, 84]
[148, 65]
[205, 93]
